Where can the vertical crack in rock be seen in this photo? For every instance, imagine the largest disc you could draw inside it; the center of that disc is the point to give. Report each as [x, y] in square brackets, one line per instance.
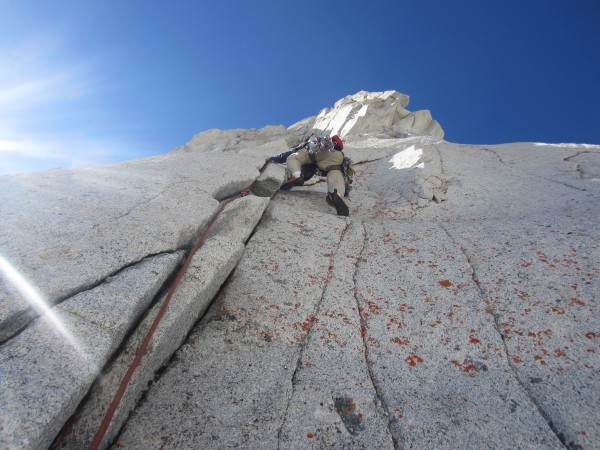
[442, 163]
[307, 336]
[482, 294]
[164, 367]
[381, 403]
[559, 435]
[550, 180]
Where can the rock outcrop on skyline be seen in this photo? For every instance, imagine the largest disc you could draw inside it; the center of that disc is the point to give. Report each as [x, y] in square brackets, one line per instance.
[457, 305]
[371, 113]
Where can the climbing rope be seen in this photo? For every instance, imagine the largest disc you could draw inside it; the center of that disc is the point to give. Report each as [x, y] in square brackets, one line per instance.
[142, 350]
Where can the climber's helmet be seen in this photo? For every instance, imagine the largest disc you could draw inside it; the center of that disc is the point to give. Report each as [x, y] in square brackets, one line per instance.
[337, 142]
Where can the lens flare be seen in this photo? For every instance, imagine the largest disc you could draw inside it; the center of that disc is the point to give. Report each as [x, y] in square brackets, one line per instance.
[13, 278]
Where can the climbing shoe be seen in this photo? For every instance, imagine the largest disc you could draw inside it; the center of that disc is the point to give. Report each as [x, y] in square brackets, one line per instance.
[329, 200]
[338, 203]
[291, 182]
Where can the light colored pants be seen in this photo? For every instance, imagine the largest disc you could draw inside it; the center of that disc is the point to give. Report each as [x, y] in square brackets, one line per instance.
[335, 179]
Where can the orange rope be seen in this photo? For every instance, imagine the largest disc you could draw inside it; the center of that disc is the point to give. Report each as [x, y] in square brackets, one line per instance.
[142, 350]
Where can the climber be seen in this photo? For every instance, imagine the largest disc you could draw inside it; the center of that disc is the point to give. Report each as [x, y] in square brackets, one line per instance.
[326, 153]
[307, 171]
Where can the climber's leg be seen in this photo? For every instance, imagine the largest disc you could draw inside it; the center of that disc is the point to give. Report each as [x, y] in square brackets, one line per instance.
[294, 164]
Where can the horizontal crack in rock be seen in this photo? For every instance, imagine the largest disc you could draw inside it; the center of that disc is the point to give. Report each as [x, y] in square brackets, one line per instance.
[20, 321]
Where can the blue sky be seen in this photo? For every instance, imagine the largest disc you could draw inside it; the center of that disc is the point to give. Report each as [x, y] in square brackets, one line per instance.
[91, 82]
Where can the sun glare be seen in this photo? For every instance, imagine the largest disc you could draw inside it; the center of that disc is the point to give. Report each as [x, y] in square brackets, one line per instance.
[36, 301]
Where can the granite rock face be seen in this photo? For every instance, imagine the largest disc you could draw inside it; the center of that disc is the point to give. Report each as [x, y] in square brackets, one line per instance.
[457, 305]
[413, 323]
[371, 113]
[47, 368]
[67, 231]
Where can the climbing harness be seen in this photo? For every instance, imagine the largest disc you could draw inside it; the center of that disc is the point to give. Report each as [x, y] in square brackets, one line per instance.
[345, 168]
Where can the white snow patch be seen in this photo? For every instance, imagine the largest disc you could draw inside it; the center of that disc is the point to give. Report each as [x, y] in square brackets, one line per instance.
[541, 144]
[407, 158]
